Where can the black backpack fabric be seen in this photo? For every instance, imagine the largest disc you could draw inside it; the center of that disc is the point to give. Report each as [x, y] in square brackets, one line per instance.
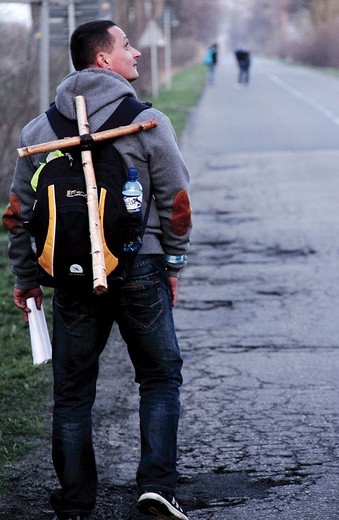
[59, 221]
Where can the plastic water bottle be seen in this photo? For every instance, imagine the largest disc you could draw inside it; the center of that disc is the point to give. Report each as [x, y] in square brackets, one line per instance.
[132, 195]
[132, 192]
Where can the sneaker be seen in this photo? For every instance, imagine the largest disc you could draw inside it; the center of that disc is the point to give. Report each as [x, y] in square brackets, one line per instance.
[162, 505]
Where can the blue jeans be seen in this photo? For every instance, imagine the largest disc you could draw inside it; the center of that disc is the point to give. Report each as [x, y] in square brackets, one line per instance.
[82, 323]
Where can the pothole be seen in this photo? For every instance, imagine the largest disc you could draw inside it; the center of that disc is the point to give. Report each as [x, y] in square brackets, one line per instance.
[206, 490]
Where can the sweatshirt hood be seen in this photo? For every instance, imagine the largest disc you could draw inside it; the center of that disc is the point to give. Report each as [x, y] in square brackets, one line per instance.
[102, 89]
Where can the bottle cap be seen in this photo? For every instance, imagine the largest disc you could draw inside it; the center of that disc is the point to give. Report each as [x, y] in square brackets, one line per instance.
[132, 174]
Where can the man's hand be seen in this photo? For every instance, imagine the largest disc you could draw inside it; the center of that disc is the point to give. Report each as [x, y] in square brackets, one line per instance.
[20, 297]
[173, 287]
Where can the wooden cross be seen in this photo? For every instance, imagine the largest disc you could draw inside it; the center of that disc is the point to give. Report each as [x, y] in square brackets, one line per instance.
[98, 260]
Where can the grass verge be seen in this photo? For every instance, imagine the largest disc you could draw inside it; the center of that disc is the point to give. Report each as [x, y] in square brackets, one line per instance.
[24, 388]
[185, 92]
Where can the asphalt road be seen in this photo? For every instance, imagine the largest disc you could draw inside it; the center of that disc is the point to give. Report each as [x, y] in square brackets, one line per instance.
[258, 313]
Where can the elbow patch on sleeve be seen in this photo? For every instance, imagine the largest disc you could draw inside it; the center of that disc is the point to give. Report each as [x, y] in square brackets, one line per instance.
[11, 215]
[181, 213]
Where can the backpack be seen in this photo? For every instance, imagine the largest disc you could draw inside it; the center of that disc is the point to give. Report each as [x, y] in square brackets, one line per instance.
[59, 222]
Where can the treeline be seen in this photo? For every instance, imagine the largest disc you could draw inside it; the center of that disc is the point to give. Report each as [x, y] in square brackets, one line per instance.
[319, 45]
[306, 31]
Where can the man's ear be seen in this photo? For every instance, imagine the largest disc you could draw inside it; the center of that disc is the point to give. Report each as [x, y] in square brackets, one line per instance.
[101, 61]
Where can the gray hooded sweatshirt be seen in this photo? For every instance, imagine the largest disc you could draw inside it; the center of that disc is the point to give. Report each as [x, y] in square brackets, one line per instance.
[154, 153]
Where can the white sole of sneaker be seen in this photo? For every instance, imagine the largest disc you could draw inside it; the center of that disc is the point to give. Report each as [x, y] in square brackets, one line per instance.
[155, 504]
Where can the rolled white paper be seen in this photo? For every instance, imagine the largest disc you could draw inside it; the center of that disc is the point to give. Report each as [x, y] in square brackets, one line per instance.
[40, 340]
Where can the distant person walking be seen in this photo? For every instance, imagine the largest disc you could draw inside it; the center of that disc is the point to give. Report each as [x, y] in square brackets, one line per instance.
[211, 60]
[244, 61]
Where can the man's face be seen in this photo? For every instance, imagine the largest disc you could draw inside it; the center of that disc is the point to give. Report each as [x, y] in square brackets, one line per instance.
[123, 58]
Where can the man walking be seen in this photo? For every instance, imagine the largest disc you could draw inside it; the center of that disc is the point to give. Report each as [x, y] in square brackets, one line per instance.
[105, 65]
[244, 61]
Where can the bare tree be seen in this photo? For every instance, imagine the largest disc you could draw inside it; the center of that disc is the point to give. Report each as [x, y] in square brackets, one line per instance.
[321, 47]
[18, 94]
[199, 22]
[323, 12]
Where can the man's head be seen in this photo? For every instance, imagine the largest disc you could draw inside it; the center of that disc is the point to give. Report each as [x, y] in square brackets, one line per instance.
[103, 44]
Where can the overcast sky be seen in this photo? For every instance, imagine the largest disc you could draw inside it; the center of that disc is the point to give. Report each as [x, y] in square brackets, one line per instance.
[15, 12]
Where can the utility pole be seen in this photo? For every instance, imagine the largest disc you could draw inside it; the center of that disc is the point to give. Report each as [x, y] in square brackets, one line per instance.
[71, 27]
[44, 57]
[154, 59]
[283, 28]
[152, 27]
[168, 48]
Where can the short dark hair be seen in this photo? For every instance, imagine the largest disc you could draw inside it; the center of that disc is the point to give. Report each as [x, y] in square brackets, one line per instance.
[88, 39]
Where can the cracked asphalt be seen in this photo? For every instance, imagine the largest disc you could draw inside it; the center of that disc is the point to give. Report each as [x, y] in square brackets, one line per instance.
[257, 318]
[258, 313]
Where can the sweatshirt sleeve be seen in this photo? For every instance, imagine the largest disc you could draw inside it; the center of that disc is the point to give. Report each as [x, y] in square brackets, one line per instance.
[21, 255]
[170, 184]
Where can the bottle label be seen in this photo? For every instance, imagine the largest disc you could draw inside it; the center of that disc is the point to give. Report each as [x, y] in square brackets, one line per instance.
[133, 204]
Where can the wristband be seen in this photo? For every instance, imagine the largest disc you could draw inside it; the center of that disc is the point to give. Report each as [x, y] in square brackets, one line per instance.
[175, 259]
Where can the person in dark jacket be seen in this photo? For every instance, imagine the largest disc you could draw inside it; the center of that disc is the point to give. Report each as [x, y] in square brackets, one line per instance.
[244, 61]
[105, 65]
